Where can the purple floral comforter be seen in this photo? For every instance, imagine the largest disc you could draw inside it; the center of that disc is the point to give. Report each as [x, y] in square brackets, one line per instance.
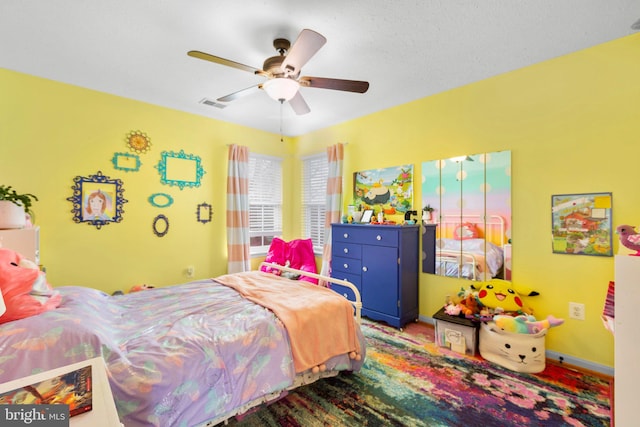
[176, 356]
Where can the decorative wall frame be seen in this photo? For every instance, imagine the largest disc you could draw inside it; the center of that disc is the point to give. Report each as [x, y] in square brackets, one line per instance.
[138, 141]
[97, 200]
[156, 200]
[204, 213]
[126, 162]
[582, 224]
[180, 169]
[387, 189]
[160, 225]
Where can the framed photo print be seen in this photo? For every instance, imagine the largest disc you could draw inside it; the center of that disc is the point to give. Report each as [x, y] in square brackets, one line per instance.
[581, 224]
[366, 216]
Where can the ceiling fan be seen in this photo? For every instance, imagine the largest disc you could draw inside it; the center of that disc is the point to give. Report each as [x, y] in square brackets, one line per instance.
[283, 72]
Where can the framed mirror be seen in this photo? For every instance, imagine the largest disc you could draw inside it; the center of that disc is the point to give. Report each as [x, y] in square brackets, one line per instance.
[180, 169]
[97, 200]
[160, 200]
[471, 231]
[160, 225]
[126, 162]
[204, 213]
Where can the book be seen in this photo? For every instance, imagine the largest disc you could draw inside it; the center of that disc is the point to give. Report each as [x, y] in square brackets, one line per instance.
[74, 388]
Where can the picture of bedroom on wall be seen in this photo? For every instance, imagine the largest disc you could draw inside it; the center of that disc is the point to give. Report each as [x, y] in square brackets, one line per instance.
[582, 224]
[471, 200]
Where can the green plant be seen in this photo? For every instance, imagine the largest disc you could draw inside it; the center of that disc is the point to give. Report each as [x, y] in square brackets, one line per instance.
[24, 200]
[428, 208]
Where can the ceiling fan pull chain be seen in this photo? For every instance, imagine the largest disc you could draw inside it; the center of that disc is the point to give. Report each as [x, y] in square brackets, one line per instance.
[281, 106]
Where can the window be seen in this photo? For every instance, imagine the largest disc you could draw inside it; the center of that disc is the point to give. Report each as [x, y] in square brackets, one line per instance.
[265, 202]
[315, 173]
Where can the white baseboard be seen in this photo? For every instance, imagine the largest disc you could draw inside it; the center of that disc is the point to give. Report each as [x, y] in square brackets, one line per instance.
[580, 363]
[559, 357]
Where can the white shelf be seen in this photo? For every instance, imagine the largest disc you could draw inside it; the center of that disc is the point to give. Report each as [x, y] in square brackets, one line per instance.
[627, 339]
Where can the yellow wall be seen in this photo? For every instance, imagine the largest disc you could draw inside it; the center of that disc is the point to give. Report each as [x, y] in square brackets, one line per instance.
[572, 125]
[52, 132]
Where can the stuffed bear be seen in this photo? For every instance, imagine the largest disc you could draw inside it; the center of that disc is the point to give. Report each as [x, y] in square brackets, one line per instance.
[469, 305]
[23, 287]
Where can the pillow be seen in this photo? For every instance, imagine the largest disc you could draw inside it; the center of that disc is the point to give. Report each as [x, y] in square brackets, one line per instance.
[24, 289]
[465, 231]
[299, 254]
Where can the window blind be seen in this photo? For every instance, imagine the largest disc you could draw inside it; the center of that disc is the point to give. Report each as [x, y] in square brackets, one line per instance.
[265, 201]
[315, 173]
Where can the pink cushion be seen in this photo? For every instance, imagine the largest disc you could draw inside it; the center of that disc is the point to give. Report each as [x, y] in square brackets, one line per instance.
[298, 252]
[17, 284]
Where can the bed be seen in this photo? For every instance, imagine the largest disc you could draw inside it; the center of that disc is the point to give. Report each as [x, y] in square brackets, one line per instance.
[198, 353]
[470, 248]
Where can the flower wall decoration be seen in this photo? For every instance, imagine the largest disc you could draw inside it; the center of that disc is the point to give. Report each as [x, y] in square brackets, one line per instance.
[138, 141]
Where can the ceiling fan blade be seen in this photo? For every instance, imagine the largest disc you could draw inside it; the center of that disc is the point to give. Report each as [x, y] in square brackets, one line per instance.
[299, 105]
[306, 45]
[239, 94]
[222, 61]
[335, 84]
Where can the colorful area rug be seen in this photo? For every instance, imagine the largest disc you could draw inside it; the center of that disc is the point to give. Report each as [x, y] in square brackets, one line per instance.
[408, 381]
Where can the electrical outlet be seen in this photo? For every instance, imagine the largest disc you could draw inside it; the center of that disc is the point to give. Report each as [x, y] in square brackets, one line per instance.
[576, 310]
[190, 271]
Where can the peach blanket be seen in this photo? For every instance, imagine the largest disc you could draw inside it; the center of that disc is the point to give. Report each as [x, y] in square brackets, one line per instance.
[320, 322]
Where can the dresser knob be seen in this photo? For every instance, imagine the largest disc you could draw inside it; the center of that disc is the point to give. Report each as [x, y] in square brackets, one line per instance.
[345, 235]
[346, 251]
[346, 265]
[364, 268]
[378, 237]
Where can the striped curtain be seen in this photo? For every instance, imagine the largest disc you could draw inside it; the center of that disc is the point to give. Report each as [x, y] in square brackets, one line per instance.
[335, 155]
[238, 210]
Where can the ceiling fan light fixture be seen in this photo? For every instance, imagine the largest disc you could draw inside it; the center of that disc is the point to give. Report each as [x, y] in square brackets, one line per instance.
[281, 88]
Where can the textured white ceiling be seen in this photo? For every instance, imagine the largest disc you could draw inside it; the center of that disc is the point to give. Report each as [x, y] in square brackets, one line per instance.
[406, 49]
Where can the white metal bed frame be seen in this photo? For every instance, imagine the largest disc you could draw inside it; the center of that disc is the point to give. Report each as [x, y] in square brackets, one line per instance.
[304, 378]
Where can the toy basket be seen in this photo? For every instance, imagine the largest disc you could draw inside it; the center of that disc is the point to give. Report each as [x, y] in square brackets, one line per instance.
[515, 351]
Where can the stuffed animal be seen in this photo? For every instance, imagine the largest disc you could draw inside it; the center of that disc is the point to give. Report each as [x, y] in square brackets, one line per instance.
[502, 295]
[525, 324]
[23, 287]
[469, 305]
[629, 238]
[452, 309]
[142, 287]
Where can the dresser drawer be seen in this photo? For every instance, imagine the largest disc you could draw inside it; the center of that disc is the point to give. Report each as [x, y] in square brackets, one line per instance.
[367, 235]
[345, 265]
[343, 290]
[346, 250]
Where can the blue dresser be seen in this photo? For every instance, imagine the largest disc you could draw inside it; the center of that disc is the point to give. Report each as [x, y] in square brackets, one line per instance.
[382, 261]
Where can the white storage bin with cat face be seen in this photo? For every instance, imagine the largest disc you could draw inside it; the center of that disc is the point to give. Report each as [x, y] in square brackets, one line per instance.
[515, 351]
